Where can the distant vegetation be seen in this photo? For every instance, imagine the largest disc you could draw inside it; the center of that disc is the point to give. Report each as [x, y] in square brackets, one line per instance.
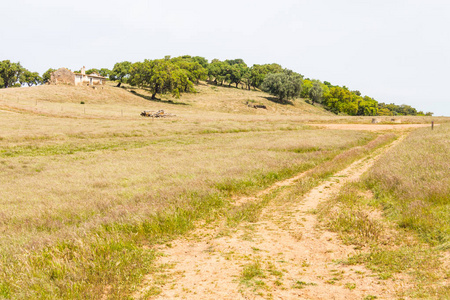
[14, 75]
[179, 75]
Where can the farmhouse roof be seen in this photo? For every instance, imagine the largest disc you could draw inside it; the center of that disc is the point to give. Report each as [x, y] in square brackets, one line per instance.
[92, 75]
[97, 76]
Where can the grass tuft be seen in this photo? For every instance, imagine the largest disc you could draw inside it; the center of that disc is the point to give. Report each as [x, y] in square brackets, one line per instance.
[251, 271]
[301, 284]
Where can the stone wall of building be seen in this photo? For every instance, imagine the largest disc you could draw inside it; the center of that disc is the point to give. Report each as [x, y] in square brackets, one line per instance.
[62, 76]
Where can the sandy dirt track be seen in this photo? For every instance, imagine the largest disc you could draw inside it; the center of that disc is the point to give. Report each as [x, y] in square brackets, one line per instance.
[297, 258]
[371, 127]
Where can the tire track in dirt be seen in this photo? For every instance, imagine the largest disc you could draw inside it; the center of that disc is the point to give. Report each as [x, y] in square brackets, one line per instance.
[295, 258]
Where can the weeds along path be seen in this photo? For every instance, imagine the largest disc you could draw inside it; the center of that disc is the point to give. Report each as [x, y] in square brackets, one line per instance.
[284, 255]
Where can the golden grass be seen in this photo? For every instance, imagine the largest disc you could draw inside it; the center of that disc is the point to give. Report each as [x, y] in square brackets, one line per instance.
[83, 193]
[385, 248]
[407, 206]
[413, 184]
[110, 102]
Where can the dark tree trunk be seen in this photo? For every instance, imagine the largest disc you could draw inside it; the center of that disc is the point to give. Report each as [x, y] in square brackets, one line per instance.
[119, 84]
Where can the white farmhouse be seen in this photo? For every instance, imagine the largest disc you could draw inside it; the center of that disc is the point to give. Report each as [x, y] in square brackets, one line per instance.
[65, 76]
[91, 79]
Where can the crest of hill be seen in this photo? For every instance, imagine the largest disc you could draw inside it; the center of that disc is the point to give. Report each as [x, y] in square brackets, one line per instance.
[206, 98]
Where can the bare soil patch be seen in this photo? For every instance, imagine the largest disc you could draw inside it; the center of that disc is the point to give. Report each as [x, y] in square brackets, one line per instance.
[285, 255]
[371, 127]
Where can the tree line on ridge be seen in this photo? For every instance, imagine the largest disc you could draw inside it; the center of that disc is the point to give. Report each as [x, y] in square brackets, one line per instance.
[180, 74]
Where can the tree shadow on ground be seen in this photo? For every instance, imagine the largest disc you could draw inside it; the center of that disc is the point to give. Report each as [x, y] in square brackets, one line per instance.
[278, 101]
[149, 98]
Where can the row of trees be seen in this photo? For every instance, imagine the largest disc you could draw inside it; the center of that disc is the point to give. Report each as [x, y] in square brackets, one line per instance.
[169, 75]
[14, 75]
[399, 110]
[180, 74]
[237, 72]
[341, 100]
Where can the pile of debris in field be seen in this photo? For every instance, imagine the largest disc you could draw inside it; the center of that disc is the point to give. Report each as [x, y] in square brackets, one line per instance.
[256, 105]
[157, 114]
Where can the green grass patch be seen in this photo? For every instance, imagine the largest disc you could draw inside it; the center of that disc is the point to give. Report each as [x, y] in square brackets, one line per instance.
[69, 148]
[412, 183]
[298, 284]
[417, 261]
[306, 150]
[251, 271]
[348, 214]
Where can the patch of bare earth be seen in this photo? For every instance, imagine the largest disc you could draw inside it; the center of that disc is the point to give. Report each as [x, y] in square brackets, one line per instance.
[371, 127]
[285, 255]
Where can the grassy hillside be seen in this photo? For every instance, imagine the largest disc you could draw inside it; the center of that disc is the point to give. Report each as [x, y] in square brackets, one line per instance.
[207, 98]
[110, 102]
[88, 189]
[82, 196]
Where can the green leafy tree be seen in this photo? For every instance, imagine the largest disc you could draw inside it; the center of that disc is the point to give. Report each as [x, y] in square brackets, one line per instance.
[194, 70]
[47, 75]
[340, 100]
[407, 110]
[273, 68]
[160, 76]
[306, 87]
[10, 73]
[120, 72]
[367, 106]
[201, 60]
[234, 73]
[237, 61]
[397, 110]
[104, 72]
[286, 85]
[30, 78]
[316, 92]
[257, 75]
[217, 71]
[259, 72]
[91, 71]
[246, 78]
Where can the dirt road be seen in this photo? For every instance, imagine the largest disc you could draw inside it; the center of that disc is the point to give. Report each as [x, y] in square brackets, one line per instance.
[284, 255]
[371, 127]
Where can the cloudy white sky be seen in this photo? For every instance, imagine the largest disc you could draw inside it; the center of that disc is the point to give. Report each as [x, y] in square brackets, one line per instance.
[395, 51]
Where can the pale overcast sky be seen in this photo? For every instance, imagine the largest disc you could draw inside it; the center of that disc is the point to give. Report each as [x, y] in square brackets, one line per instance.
[395, 51]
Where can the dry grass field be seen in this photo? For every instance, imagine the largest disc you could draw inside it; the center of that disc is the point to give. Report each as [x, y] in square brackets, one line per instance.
[398, 214]
[87, 190]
